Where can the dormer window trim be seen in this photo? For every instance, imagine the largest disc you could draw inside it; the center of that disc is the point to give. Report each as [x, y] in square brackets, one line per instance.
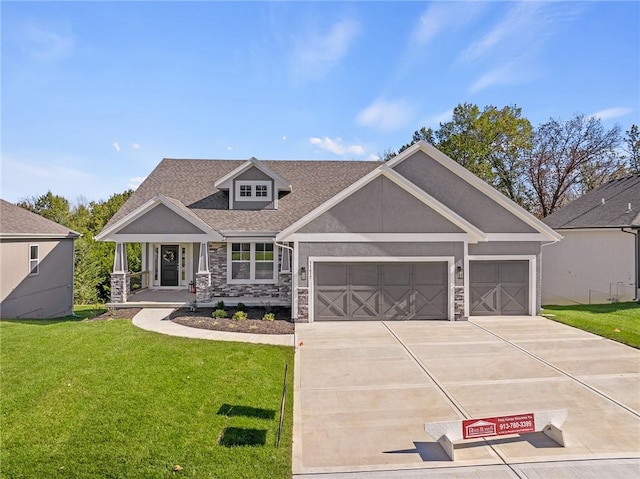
[253, 190]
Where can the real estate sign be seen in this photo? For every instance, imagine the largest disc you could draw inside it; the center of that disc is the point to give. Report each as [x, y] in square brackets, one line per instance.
[498, 426]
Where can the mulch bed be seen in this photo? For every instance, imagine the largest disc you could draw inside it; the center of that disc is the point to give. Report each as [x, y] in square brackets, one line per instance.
[201, 318]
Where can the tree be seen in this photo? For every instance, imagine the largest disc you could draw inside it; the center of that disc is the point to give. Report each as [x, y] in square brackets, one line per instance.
[490, 143]
[568, 158]
[53, 207]
[632, 143]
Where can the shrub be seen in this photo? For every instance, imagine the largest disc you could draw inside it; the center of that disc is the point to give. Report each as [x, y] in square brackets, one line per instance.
[241, 307]
[219, 313]
[220, 305]
[268, 317]
[239, 316]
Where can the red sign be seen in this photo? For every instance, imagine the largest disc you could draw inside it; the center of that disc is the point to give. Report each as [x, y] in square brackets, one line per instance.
[498, 426]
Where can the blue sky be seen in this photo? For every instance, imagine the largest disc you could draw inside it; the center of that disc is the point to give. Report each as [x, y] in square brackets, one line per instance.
[95, 94]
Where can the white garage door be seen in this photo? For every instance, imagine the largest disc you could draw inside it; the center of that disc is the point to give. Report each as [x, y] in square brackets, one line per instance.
[380, 291]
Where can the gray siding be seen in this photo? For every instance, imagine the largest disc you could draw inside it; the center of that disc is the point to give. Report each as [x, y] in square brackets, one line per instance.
[460, 196]
[160, 220]
[381, 207]
[376, 250]
[48, 294]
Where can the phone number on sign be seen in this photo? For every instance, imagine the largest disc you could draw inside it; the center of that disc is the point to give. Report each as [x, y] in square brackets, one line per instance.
[515, 425]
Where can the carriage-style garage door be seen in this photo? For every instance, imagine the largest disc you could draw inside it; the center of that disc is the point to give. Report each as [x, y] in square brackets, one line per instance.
[380, 291]
[499, 287]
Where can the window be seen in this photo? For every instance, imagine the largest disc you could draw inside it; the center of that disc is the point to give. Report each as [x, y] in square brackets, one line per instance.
[252, 262]
[241, 261]
[34, 259]
[245, 191]
[253, 191]
[261, 191]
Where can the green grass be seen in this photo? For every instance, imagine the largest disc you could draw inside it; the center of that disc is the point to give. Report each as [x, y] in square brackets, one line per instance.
[617, 321]
[103, 399]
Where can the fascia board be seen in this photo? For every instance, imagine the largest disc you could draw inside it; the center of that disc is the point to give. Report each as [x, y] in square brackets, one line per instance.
[40, 236]
[479, 184]
[106, 235]
[431, 202]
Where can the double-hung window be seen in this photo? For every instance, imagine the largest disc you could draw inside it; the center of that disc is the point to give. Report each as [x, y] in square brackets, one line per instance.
[34, 259]
[252, 263]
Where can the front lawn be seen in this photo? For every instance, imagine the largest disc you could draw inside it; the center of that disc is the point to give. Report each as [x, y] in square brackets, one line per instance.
[97, 399]
[617, 321]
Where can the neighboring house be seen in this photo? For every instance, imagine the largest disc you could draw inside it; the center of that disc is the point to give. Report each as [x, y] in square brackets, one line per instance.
[36, 265]
[599, 259]
[418, 237]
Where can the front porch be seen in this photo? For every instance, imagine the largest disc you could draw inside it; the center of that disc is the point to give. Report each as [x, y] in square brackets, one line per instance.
[181, 298]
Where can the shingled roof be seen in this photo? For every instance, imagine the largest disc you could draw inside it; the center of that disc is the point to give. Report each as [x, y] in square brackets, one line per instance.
[191, 182]
[614, 204]
[19, 222]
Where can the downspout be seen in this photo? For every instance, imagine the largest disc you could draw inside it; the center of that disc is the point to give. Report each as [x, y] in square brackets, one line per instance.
[637, 252]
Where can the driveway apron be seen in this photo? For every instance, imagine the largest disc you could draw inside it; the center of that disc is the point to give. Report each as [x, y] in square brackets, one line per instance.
[363, 391]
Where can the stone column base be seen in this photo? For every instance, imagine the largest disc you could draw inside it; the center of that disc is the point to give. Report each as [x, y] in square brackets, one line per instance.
[120, 287]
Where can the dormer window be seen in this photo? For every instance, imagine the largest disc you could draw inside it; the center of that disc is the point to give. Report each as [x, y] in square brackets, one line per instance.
[253, 191]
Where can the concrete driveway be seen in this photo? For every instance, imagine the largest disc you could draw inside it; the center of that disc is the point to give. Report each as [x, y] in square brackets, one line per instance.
[363, 391]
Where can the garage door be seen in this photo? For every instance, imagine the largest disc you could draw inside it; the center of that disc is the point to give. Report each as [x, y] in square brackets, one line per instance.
[380, 291]
[499, 287]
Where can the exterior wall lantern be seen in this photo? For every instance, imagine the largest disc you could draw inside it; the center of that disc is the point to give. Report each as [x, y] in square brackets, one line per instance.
[303, 273]
[459, 272]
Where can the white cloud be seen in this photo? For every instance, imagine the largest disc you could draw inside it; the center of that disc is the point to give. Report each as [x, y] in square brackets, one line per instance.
[434, 121]
[503, 75]
[444, 17]
[46, 43]
[385, 115]
[284, 138]
[337, 146]
[116, 146]
[136, 181]
[611, 113]
[135, 146]
[229, 148]
[316, 54]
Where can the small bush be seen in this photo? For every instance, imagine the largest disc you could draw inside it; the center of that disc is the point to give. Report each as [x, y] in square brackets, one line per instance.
[219, 313]
[239, 316]
[241, 307]
[268, 317]
[220, 305]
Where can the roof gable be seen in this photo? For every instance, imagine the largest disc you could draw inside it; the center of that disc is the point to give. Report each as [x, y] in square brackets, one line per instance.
[226, 182]
[614, 204]
[474, 233]
[18, 222]
[160, 215]
[475, 200]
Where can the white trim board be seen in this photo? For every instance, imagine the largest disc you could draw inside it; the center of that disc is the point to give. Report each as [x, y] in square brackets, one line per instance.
[379, 237]
[450, 260]
[280, 183]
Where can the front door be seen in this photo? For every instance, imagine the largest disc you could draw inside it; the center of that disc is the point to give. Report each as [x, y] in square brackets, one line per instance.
[169, 265]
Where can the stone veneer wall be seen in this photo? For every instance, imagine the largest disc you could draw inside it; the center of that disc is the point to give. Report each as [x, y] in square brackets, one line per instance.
[303, 305]
[120, 287]
[458, 303]
[219, 287]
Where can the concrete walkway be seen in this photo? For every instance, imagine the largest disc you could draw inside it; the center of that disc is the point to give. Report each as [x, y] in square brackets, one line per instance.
[157, 320]
[363, 391]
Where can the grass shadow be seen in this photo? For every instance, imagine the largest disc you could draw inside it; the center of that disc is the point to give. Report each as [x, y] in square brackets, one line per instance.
[592, 308]
[231, 410]
[238, 436]
[44, 322]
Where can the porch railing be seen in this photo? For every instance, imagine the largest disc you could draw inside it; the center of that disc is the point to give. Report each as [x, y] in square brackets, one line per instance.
[139, 281]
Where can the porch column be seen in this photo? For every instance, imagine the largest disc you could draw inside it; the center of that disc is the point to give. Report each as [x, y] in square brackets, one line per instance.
[203, 276]
[120, 286]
